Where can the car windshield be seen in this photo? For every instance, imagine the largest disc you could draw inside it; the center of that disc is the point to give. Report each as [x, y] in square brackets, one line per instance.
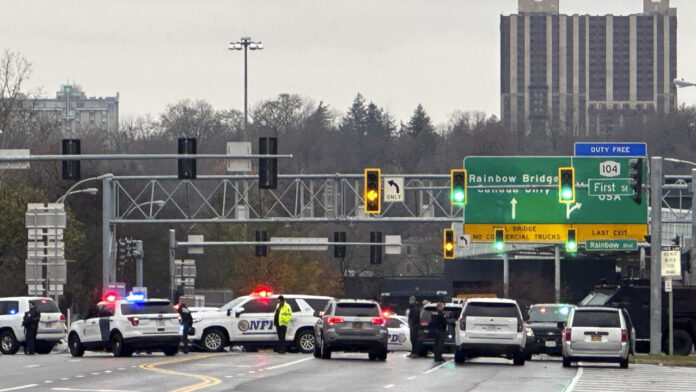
[450, 312]
[597, 318]
[147, 308]
[234, 303]
[596, 298]
[539, 314]
[491, 309]
[357, 309]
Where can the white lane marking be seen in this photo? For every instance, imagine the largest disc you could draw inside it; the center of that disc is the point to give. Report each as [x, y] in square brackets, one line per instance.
[229, 376]
[121, 368]
[107, 371]
[388, 386]
[80, 376]
[32, 366]
[74, 360]
[411, 378]
[48, 382]
[574, 381]
[91, 390]
[251, 372]
[95, 373]
[64, 379]
[289, 363]
[240, 374]
[437, 367]
[19, 387]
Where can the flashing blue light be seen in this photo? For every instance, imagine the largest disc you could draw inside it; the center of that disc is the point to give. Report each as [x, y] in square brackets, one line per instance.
[564, 311]
[13, 311]
[135, 297]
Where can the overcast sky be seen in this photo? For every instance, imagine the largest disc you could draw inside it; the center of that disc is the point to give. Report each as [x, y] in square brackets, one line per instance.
[444, 54]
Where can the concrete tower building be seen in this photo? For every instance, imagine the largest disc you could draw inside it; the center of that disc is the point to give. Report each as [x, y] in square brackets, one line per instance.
[583, 75]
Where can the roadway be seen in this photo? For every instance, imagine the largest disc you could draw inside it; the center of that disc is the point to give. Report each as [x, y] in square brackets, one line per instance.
[266, 371]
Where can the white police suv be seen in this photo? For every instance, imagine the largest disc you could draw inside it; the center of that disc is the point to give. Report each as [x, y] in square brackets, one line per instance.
[399, 333]
[124, 326]
[248, 321]
[51, 325]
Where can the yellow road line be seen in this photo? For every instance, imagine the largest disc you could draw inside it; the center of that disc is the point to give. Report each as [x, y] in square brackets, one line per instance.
[206, 381]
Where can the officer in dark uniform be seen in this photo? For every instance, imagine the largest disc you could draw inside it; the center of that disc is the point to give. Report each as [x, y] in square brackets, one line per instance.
[187, 323]
[414, 311]
[438, 329]
[30, 322]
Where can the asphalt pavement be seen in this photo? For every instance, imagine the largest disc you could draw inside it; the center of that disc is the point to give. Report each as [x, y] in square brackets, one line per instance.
[267, 371]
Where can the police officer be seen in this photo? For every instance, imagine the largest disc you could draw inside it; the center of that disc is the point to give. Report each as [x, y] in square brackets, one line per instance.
[281, 320]
[438, 328]
[187, 323]
[414, 311]
[30, 322]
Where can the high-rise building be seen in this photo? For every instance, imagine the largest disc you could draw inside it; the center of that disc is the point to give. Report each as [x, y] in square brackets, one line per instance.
[585, 75]
[75, 111]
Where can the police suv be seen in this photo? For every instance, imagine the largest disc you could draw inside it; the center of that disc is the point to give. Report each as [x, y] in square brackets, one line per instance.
[124, 326]
[248, 321]
[51, 325]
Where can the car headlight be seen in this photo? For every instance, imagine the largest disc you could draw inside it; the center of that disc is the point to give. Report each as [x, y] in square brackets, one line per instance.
[530, 332]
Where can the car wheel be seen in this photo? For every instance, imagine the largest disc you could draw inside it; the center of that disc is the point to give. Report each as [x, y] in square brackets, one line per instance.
[214, 340]
[8, 343]
[566, 362]
[459, 357]
[371, 355]
[325, 350]
[118, 347]
[683, 345]
[519, 358]
[44, 347]
[382, 354]
[75, 345]
[170, 351]
[623, 363]
[304, 341]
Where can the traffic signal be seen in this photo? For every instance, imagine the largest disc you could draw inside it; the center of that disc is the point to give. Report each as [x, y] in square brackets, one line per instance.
[566, 184]
[339, 250]
[571, 242]
[187, 167]
[448, 244]
[499, 240]
[71, 169]
[371, 192]
[261, 236]
[376, 250]
[458, 186]
[268, 167]
[635, 172]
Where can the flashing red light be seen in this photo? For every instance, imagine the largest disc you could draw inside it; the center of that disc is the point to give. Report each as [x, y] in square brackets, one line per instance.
[542, 310]
[379, 321]
[43, 301]
[263, 292]
[177, 306]
[387, 313]
[334, 320]
[110, 297]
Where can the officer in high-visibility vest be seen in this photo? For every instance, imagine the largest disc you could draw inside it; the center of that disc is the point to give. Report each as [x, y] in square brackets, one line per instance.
[281, 320]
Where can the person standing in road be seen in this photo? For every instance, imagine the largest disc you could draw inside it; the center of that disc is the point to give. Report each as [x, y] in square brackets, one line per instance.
[30, 323]
[281, 320]
[438, 328]
[187, 323]
[414, 311]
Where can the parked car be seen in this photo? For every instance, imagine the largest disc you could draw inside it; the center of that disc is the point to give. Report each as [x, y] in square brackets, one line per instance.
[51, 325]
[598, 334]
[354, 326]
[451, 312]
[399, 333]
[491, 327]
[543, 320]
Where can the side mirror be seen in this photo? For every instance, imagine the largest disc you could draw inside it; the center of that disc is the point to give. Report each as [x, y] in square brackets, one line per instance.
[238, 311]
[561, 325]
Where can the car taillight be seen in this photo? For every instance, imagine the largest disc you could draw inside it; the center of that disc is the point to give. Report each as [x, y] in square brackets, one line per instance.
[462, 324]
[134, 320]
[567, 334]
[423, 323]
[334, 320]
[520, 326]
[379, 321]
[624, 336]
[62, 319]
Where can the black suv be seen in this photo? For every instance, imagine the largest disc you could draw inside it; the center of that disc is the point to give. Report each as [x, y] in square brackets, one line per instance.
[543, 319]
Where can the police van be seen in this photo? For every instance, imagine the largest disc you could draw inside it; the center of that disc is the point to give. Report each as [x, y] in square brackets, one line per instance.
[51, 325]
[248, 321]
[123, 326]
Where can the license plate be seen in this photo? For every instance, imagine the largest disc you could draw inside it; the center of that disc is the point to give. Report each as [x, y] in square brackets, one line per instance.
[596, 338]
[160, 323]
[550, 343]
[47, 324]
[357, 325]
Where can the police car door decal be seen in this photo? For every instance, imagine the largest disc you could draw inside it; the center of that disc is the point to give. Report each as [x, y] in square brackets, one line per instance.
[257, 320]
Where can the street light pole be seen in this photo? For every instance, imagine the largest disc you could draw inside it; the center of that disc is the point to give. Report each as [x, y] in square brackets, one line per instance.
[246, 43]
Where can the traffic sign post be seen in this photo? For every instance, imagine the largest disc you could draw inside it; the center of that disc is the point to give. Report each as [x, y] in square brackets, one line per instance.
[611, 149]
[393, 189]
[45, 268]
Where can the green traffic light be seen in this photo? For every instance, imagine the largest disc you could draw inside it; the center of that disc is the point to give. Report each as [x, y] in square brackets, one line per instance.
[567, 194]
[458, 196]
[571, 246]
[498, 245]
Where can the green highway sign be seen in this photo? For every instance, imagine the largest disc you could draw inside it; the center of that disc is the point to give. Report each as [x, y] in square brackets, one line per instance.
[604, 245]
[524, 190]
[609, 186]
